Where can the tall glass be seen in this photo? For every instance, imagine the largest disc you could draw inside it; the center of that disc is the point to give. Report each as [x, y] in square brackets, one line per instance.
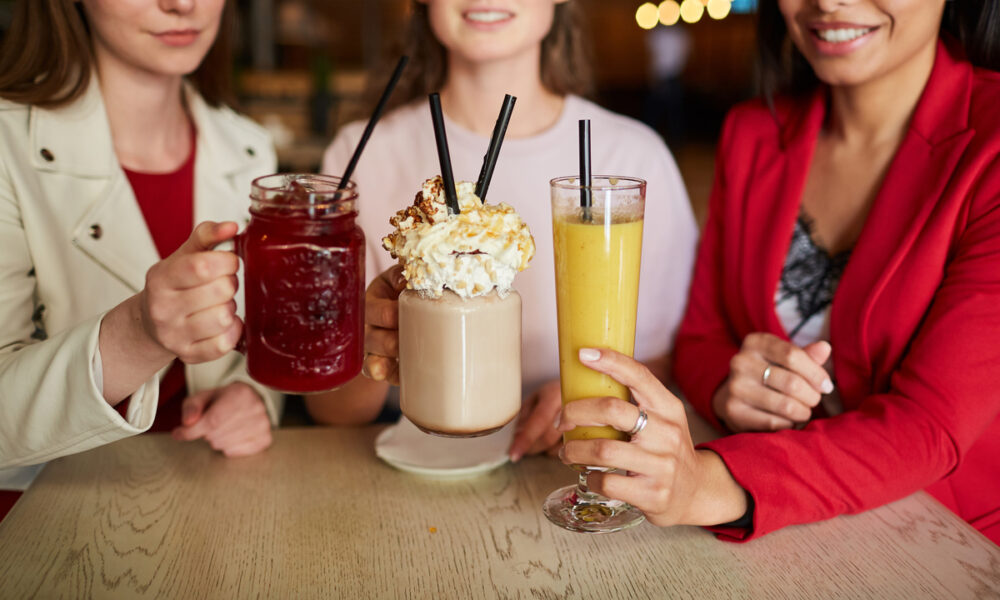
[304, 260]
[597, 253]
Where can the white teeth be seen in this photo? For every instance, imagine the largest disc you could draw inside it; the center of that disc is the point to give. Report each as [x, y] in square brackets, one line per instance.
[488, 16]
[841, 35]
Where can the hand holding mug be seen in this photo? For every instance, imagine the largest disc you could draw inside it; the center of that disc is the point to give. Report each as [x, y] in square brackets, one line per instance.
[188, 306]
[773, 384]
[382, 326]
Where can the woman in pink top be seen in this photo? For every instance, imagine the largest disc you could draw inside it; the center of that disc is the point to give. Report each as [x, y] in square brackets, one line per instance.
[473, 56]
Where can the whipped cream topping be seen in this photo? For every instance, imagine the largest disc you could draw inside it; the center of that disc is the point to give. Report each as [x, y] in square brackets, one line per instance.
[470, 253]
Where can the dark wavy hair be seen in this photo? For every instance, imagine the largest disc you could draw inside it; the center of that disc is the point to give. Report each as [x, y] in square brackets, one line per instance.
[565, 64]
[783, 69]
[46, 57]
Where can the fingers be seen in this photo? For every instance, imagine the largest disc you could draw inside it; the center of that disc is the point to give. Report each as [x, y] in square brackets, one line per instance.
[535, 429]
[208, 349]
[747, 382]
[207, 235]
[380, 368]
[595, 412]
[184, 271]
[382, 342]
[232, 420]
[194, 406]
[646, 389]
[785, 354]
[819, 351]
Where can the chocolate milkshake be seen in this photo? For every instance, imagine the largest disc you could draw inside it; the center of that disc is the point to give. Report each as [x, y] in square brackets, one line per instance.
[459, 319]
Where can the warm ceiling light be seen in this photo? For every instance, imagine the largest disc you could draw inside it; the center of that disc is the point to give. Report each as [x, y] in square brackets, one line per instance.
[647, 15]
[691, 10]
[718, 9]
[670, 12]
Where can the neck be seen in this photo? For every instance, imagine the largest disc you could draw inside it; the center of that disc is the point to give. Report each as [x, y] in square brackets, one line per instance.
[473, 93]
[149, 123]
[879, 111]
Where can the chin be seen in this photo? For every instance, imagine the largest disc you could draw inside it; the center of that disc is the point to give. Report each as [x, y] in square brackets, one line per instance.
[843, 76]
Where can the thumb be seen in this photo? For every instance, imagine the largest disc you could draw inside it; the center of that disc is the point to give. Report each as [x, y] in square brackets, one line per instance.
[193, 407]
[819, 352]
[208, 235]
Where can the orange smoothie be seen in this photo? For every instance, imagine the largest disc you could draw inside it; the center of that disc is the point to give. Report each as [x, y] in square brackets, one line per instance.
[597, 290]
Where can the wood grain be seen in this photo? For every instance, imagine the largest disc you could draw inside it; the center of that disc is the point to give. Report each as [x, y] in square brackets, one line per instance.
[319, 516]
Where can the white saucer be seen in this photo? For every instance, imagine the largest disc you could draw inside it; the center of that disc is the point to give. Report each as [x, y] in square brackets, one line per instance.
[408, 449]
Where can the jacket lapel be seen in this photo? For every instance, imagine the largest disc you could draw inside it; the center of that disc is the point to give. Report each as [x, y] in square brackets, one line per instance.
[77, 139]
[784, 169]
[914, 183]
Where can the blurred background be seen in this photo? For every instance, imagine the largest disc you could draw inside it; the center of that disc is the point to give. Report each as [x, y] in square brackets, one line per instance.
[303, 65]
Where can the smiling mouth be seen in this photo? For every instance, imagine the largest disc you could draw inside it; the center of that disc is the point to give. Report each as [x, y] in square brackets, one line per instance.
[842, 35]
[488, 16]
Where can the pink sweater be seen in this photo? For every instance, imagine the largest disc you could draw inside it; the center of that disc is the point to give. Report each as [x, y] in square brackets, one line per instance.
[401, 155]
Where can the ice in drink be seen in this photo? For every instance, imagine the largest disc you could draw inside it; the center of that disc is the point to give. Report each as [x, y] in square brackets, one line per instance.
[459, 319]
[304, 277]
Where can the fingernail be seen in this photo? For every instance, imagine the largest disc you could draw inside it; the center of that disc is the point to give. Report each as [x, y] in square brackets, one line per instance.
[589, 354]
[827, 386]
[558, 420]
[515, 456]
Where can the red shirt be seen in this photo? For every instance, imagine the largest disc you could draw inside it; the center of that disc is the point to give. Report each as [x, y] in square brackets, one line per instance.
[167, 204]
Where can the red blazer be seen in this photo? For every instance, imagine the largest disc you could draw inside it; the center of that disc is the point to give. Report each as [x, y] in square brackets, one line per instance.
[915, 322]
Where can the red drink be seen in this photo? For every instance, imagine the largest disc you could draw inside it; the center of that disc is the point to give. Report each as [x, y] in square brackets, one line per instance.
[304, 261]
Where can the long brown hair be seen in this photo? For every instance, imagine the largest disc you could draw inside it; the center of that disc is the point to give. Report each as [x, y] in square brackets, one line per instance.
[46, 57]
[783, 69]
[565, 64]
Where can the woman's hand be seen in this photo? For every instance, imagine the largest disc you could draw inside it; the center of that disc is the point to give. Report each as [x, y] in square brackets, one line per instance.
[382, 326]
[232, 419]
[795, 379]
[188, 306]
[536, 431]
[668, 480]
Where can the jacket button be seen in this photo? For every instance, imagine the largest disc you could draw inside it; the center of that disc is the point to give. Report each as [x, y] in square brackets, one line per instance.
[47, 154]
[96, 232]
[251, 151]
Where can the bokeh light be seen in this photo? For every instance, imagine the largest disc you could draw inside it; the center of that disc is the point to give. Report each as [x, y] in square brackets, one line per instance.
[647, 15]
[670, 12]
[718, 9]
[691, 10]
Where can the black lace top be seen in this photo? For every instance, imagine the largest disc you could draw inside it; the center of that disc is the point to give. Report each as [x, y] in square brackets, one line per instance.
[808, 280]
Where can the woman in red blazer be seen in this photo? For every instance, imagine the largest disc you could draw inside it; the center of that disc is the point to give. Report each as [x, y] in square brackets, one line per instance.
[881, 164]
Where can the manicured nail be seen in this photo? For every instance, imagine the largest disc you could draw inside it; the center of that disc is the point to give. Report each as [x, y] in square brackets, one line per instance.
[589, 354]
[827, 386]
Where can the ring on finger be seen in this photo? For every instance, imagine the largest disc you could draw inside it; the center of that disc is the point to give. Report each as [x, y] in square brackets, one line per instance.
[766, 376]
[640, 424]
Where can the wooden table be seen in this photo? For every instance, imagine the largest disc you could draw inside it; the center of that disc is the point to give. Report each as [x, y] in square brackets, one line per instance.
[319, 516]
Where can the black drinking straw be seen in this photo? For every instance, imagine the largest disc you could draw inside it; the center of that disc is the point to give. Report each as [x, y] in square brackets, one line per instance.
[451, 196]
[490, 160]
[585, 191]
[372, 120]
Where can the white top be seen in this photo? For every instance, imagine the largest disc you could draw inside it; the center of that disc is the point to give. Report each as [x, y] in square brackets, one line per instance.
[401, 154]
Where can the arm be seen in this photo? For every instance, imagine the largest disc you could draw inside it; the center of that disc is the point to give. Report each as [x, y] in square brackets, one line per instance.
[940, 400]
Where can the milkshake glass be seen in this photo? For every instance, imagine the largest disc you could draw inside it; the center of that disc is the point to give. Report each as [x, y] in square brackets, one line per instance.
[459, 319]
[597, 253]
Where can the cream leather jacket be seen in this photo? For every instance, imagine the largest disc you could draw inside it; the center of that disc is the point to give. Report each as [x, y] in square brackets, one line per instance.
[74, 244]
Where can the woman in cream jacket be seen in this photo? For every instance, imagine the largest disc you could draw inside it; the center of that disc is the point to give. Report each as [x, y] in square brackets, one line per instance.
[89, 313]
